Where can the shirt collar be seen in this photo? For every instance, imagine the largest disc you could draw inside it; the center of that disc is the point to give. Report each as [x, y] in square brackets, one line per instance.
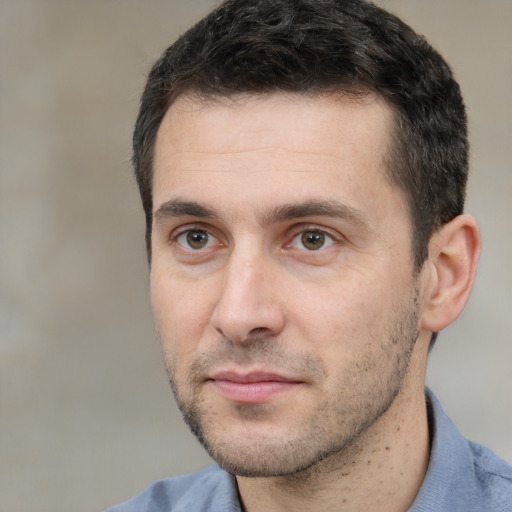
[450, 468]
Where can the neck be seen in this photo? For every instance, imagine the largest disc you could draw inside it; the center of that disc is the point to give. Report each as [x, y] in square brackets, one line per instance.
[383, 470]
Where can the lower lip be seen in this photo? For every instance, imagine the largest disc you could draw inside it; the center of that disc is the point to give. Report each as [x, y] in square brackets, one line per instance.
[253, 392]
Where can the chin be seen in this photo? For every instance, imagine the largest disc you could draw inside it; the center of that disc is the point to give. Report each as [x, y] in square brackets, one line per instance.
[262, 454]
[262, 464]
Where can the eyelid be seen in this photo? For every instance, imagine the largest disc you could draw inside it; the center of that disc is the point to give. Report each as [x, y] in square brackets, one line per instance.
[301, 228]
[300, 244]
[293, 232]
[184, 242]
[196, 226]
[192, 226]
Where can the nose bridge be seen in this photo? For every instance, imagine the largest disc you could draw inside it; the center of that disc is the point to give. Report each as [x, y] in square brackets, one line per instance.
[246, 302]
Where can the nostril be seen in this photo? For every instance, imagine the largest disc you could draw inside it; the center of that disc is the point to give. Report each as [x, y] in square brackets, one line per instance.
[251, 336]
[258, 331]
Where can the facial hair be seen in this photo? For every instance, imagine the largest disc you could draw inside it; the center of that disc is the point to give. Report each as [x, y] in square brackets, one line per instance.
[331, 427]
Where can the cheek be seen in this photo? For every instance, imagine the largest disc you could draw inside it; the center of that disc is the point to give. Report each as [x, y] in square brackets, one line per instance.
[182, 314]
[340, 303]
[341, 322]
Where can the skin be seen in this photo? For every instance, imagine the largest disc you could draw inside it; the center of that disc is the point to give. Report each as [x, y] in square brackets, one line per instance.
[282, 254]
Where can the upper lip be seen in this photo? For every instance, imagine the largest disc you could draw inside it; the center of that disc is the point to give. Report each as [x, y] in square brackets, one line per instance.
[249, 377]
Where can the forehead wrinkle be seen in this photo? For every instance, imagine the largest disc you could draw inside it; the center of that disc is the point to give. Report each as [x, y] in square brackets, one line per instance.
[221, 162]
[255, 149]
[269, 158]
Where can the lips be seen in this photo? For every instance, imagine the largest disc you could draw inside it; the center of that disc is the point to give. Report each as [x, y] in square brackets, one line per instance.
[253, 387]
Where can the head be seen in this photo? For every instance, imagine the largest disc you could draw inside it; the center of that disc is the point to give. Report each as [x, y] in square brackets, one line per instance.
[345, 47]
[302, 167]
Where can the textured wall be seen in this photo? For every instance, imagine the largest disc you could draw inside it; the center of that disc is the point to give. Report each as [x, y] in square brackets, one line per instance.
[86, 417]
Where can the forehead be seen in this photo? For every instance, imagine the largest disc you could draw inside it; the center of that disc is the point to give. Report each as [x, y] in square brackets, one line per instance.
[268, 147]
[195, 124]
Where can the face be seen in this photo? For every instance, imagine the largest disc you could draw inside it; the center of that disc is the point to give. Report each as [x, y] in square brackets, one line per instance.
[282, 280]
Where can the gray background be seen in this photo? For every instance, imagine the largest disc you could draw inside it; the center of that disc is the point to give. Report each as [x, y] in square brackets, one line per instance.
[86, 417]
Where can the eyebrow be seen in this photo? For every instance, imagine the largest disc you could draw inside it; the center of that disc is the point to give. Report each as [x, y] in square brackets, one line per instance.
[315, 208]
[311, 208]
[181, 208]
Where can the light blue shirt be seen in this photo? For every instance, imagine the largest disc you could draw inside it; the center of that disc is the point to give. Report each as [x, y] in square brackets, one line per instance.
[462, 477]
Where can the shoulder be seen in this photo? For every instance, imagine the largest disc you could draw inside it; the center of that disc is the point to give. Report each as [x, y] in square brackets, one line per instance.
[209, 489]
[493, 476]
[462, 475]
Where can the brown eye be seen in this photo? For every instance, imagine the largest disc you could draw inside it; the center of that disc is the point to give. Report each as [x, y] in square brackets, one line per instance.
[195, 239]
[313, 240]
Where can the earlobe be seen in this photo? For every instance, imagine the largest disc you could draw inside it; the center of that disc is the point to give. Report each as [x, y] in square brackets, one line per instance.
[454, 251]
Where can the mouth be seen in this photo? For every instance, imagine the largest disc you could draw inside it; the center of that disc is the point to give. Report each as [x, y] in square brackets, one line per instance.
[252, 387]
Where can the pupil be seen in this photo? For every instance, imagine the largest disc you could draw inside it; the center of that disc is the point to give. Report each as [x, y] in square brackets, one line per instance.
[197, 239]
[313, 240]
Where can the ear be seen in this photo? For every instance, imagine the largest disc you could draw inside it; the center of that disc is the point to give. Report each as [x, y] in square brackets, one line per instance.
[454, 251]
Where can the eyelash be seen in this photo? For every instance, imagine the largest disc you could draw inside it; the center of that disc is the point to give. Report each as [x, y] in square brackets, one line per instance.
[329, 238]
[174, 236]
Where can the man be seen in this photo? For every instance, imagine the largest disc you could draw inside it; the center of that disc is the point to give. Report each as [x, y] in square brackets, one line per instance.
[302, 166]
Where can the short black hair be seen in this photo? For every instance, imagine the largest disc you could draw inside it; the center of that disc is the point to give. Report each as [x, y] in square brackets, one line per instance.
[310, 47]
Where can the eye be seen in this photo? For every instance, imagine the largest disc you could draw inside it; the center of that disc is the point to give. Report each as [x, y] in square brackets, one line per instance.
[196, 239]
[312, 240]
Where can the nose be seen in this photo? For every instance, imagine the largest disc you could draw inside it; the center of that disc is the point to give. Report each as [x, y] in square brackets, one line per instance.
[247, 305]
